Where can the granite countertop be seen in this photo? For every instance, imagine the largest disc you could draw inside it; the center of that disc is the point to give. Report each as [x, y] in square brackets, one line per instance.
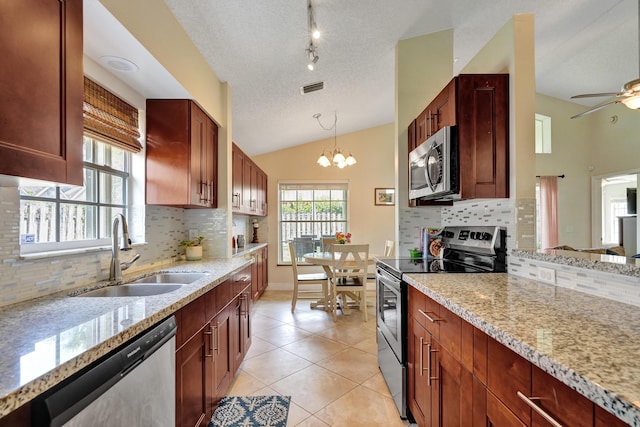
[247, 249]
[48, 339]
[592, 344]
[600, 262]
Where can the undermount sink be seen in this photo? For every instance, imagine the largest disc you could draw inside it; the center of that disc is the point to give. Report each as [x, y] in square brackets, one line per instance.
[156, 284]
[182, 278]
[139, 290]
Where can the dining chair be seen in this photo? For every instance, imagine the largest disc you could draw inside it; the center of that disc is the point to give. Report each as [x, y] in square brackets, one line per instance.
[348, 278]
[306, 279]
[326, 242]
[302, 245]
[389, 245]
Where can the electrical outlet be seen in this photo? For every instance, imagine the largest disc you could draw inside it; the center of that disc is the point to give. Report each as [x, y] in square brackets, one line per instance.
[547, 275]
[193, 234]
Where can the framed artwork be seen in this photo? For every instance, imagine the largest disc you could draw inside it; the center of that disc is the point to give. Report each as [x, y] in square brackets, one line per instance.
[384, 196]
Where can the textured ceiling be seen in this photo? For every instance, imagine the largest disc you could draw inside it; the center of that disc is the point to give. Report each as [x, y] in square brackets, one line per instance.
[582, 46]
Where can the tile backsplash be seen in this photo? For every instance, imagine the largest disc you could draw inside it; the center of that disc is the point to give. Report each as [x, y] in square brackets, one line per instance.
[28, 278]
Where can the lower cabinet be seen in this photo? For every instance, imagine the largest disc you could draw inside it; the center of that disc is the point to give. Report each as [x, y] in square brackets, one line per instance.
[458, 376]
[259, 273]
[207, 360]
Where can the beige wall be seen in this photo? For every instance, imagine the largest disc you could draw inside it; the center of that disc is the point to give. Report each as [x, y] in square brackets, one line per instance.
[570, 156]
[374, 150]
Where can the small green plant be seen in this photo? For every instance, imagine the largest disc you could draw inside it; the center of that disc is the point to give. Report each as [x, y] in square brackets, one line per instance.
[190, 243]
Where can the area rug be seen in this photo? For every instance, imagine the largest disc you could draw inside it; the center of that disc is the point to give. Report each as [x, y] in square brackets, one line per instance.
[251, 411]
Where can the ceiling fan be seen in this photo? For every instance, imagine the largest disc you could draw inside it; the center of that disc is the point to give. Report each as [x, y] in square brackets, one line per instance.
[629, 94]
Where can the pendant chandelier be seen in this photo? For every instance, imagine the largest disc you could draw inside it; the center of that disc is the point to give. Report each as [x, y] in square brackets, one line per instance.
[334, 157]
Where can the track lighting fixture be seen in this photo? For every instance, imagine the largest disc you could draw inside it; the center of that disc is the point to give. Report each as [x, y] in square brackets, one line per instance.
[314, 34]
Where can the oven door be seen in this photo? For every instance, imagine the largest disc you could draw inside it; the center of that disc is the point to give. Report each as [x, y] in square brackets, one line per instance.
[390, 307]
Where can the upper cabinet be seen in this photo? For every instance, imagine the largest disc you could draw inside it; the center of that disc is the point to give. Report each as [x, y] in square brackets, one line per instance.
[249, 185]
[479, 105]
[182, 155]
[41, 87]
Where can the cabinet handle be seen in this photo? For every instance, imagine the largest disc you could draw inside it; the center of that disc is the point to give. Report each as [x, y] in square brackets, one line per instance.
[236, 196]
[431, 319]
[422, 369]
[210, 333]
[243, 303]
[429, 377]
[217, 340]
[211, 192]
[530, 401]
[203, 191]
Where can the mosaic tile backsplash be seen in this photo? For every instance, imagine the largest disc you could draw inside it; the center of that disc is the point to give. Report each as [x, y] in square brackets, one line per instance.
[24, 279]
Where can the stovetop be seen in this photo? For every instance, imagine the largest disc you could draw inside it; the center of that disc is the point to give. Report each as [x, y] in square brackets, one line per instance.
[421, 265]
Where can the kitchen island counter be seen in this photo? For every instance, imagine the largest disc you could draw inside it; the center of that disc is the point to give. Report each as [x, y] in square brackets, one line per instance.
[590, 343]
[48, 339]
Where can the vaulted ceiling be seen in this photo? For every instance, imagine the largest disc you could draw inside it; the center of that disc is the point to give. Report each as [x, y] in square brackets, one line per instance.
[258, 47]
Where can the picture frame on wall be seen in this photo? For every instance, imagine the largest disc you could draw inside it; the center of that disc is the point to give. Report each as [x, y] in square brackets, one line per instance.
[384, 196]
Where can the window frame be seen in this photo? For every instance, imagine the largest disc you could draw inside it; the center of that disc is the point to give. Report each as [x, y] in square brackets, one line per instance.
[101, 241]
[316, 186]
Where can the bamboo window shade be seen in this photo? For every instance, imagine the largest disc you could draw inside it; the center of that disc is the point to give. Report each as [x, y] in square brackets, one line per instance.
[109, 118]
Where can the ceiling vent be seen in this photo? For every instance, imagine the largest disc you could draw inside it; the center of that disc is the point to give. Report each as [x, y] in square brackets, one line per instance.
[313, 87]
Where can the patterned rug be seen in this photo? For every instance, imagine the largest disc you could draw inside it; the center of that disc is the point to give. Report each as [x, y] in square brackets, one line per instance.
[251, 411]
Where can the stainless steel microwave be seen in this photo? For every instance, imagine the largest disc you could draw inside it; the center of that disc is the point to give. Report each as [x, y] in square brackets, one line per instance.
[433, 167]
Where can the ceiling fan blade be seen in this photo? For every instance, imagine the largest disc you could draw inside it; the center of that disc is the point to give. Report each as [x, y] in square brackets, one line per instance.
[593, 95]
[596, 108]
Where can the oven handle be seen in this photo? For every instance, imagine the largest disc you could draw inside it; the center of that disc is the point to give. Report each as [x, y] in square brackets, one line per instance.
[387, 279]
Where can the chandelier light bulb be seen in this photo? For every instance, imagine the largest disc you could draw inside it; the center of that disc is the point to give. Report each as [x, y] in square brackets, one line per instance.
[310, 66]
[338, 158]
[315, 34]
[351, 160]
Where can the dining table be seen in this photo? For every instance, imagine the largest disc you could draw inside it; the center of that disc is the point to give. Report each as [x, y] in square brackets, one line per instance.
[325, 260]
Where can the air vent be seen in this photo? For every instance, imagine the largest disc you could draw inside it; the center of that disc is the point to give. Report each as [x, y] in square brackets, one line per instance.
[312, 88]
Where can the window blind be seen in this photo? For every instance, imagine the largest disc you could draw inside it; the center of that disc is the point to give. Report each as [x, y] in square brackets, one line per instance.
[109, 118]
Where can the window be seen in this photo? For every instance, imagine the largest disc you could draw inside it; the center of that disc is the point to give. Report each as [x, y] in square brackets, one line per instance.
[310, 211]
[64, 217]
[543, 134]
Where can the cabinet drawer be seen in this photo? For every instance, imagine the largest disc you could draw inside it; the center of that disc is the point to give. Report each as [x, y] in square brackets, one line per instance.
[450, 332]
[223, 294]
[192, 317]
[508, 374]
[425, 311]
[498, 415]
[563, 404]
[241, 280]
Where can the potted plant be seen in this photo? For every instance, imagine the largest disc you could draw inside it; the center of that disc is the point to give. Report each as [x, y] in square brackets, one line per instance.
[193, 248]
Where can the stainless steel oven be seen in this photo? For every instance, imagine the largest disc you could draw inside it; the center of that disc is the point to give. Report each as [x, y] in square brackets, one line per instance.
[468, 249]
[391, 324]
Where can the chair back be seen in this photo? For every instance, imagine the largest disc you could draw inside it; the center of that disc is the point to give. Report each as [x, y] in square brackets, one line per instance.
[388, 248]
[302, 245]
[350, 262]
[326, 242]
[294, 261]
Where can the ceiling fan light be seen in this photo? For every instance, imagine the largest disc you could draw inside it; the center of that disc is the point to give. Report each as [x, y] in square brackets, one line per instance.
[632, 102]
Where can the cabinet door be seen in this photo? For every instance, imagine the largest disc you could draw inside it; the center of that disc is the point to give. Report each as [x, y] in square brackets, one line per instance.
[238, 164]
[443, 108]
[253, 189]
[42, 85]
[245, 313]
[420, 395]
[247, 176]
[192, 389]
[482, 105]
[411, 137]
[256, 276]
[223, 365]
[421, 128]
[237, 338]
[455, 390]
[212, 162]
[198, 190]
[561, 403]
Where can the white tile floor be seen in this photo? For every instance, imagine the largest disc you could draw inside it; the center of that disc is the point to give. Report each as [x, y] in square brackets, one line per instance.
[329, 369]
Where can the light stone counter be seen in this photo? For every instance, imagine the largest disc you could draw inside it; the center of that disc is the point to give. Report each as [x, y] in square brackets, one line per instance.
[592, 344]
[48, 339]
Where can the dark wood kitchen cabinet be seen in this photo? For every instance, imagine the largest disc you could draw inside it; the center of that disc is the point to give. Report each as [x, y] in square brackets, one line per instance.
[41, 121]
[478, 104]
[260, 275]
[181, 155]
[475, 380]
[249, 185]
[214, 335]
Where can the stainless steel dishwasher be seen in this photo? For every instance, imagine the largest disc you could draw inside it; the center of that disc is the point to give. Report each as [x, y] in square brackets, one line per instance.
[133, 386]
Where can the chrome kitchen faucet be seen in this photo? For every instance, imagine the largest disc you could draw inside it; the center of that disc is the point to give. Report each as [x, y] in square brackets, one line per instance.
[115, 271]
